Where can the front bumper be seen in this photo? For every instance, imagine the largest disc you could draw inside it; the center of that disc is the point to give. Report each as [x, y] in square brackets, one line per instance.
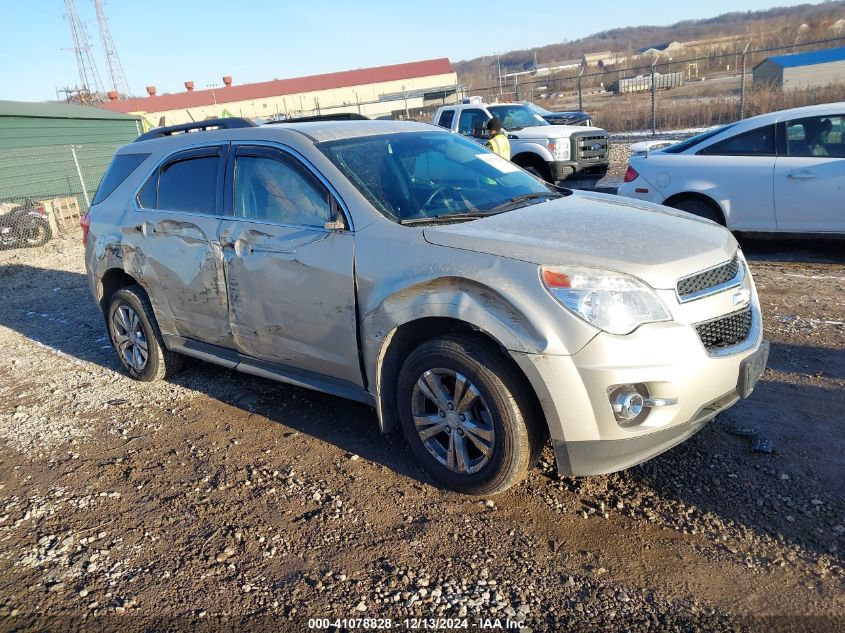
[574, 170]
[668, 358]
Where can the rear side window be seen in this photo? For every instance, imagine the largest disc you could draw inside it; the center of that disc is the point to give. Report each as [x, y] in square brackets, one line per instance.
[187, 183]
[446, 119]
[759, 142]
[117, 172]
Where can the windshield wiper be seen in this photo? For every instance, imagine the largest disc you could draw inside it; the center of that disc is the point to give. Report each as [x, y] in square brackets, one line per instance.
[447, 217]
[524, 198]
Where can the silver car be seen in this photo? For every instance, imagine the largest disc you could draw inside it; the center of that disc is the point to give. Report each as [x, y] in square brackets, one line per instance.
[403, 266]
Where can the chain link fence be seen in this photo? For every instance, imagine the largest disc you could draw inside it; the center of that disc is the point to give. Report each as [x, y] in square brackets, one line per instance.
[45, 190]
[668, 90]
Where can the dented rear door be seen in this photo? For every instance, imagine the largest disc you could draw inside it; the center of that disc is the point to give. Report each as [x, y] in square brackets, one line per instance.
[172, 247]
[289, 278]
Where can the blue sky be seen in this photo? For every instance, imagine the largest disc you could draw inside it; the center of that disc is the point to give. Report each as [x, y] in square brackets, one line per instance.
[166, 42]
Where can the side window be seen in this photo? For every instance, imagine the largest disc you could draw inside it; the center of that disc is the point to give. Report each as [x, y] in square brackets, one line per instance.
[279, 189]
[183, 184]
[759, 142]
[446, 119]
[472, 122]
[818, 136]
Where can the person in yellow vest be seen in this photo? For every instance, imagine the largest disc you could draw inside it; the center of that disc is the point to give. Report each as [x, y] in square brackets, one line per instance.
[498, 142]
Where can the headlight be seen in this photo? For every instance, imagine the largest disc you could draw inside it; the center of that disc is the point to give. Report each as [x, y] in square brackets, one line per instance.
[559, 147]
[612, 302]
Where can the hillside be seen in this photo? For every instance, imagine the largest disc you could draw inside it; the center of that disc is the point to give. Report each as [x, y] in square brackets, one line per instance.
[778, 26]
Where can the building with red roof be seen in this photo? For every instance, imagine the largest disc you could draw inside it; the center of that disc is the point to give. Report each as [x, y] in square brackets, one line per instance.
[382, 90]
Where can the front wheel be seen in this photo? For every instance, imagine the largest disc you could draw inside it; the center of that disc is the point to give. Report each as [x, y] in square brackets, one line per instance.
[466, 416]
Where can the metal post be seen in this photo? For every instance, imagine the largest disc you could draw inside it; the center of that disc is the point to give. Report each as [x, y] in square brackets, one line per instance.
[516, 86]
[653, 100]
[79, 174]
[580, 93]
[499, 71]
[742, 84]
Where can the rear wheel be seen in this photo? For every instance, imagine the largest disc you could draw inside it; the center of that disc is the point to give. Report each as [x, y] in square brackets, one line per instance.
[700, 208]
[466, 416]
[136, 337]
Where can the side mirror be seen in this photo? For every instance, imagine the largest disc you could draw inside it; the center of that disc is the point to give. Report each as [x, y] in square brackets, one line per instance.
[336, 222]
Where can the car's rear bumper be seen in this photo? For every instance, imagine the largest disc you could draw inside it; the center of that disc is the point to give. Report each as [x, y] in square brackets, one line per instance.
[639, 189]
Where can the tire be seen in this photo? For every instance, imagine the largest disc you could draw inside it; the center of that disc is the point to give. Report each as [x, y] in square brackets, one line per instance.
[497, 415]
[538, 170]
[700, 208]
[39, 234]
[128, 336]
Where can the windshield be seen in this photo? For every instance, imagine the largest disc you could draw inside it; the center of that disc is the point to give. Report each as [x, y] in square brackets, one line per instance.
[538, 109]
[515, 117]
[677, 148]
[432, 175]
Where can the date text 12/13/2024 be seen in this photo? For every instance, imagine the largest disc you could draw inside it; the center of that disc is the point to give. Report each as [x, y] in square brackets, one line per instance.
[414, 624]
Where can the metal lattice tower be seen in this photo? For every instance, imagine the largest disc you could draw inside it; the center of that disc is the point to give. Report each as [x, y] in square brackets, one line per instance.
[88, 75]
[118, 78]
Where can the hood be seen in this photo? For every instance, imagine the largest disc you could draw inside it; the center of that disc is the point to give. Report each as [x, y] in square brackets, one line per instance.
[657, 244]
[552, 131]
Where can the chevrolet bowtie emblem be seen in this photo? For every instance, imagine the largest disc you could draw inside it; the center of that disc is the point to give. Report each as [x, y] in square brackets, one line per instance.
[742, 297]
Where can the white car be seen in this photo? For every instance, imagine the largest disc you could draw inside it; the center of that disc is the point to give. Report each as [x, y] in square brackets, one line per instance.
[782, 172]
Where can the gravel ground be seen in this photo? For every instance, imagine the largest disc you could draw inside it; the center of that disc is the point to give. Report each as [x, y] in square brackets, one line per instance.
[221, 500]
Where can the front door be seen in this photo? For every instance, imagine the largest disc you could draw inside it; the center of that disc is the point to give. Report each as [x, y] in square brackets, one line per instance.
[171, 246]
[810, 177]
[289, 278]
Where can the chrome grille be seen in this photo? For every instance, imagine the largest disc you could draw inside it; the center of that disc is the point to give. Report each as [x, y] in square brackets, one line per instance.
[725, 331]
[586, 145]
[708, 278]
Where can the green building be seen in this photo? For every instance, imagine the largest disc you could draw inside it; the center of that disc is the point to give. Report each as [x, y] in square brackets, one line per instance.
[51, 150]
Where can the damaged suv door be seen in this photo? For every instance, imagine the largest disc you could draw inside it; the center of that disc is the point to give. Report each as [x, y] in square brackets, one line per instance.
[288, 261]
[173, 244]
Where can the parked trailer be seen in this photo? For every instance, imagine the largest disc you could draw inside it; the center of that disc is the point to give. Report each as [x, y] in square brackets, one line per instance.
[642, 83]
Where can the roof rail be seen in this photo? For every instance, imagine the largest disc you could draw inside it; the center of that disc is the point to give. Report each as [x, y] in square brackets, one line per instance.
[198, 126]
[340, 116]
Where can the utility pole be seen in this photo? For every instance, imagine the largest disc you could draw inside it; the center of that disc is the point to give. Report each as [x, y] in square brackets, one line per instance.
[499, 70]
[653, 99]
[580, 94]
[742, 84]
[89, 77]
[118, 78]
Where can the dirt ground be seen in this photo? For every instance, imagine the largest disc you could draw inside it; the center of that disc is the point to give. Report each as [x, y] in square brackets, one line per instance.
[219, 500]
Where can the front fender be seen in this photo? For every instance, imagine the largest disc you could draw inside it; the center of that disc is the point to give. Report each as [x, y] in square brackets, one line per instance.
[535, 148]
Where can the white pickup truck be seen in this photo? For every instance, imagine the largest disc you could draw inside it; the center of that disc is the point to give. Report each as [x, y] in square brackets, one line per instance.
[552, 152]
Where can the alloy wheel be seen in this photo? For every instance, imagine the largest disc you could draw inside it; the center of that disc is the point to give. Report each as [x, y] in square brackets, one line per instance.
[453, 421]
[129, 337]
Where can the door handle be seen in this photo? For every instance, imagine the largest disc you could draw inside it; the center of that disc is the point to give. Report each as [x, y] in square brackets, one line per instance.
[801, 175]
[145, 228]
[240, 246]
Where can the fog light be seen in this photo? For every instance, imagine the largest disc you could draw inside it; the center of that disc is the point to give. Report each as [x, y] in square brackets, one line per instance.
[631, 403]
[628, 406]
[628, 403]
